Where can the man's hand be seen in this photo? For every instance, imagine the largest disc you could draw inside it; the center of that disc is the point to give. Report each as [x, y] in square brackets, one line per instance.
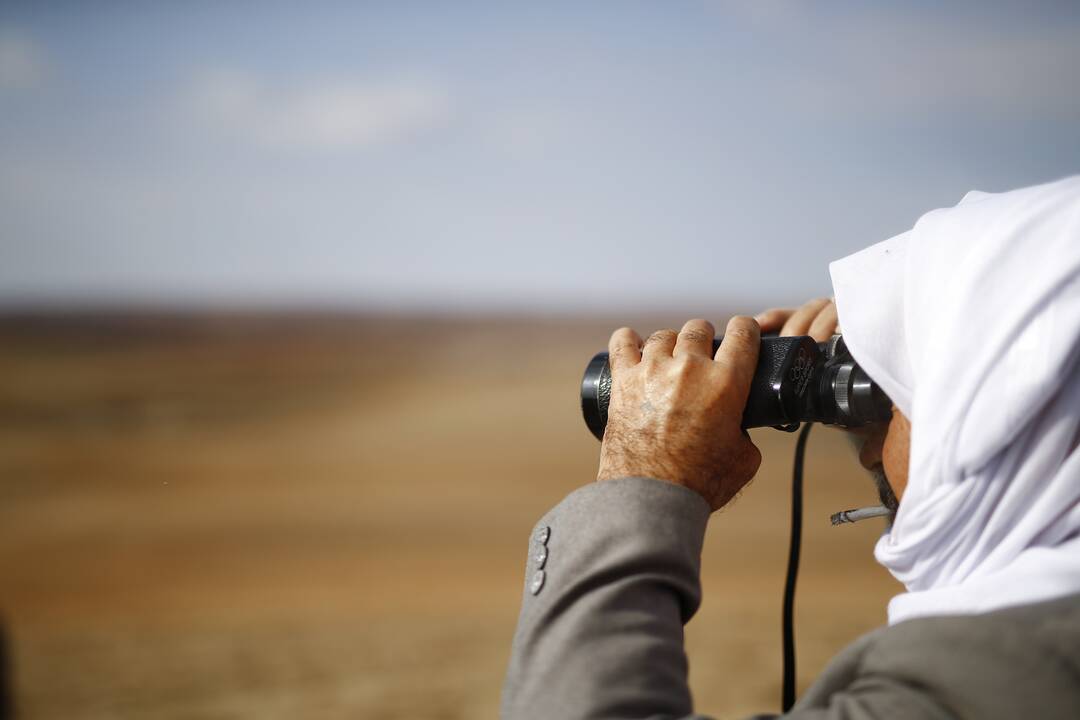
[816, 318]
[675, 411]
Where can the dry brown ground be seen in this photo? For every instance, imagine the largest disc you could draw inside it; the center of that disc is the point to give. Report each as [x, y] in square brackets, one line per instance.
[327, 517]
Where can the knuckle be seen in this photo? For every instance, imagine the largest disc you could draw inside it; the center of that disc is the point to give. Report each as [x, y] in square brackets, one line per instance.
[685, 366]
[660, 336]
[696, 335]
[742, 333]
[624, 336]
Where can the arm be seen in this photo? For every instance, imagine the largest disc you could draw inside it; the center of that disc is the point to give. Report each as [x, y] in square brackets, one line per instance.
[602, 637]
[600, 632]
[601, 627]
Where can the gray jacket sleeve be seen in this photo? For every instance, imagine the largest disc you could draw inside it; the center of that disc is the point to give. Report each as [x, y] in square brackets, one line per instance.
[600, 633]
[611, 578]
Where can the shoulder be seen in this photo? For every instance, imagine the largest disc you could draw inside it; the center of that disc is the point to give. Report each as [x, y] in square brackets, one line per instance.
[1021, 660]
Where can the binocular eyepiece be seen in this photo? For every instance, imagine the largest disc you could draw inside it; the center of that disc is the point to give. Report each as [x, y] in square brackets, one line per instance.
[796, 380]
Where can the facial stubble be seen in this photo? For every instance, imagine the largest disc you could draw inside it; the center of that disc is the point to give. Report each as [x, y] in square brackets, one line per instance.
[884, 489]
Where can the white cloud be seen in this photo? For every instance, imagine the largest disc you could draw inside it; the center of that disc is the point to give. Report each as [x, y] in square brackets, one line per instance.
[22, 61]
[343, 114]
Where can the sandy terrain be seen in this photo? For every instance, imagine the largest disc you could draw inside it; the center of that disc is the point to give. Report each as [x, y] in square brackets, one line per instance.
[327, 517]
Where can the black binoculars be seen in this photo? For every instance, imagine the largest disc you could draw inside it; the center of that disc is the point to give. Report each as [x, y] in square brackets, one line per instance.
[796, 380]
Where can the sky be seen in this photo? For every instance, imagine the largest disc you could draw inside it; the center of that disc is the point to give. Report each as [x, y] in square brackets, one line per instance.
[553, 157]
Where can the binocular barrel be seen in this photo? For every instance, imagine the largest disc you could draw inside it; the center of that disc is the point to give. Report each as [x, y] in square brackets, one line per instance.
[796, 380]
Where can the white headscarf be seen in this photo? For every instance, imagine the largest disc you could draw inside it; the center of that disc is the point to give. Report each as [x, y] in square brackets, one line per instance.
[970, 322]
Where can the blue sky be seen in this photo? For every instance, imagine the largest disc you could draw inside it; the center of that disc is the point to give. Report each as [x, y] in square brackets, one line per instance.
[568, 157]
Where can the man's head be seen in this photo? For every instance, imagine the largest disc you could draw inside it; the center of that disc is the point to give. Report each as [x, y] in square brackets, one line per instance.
[970, 323]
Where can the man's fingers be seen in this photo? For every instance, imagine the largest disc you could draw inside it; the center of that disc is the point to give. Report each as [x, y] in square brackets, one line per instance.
[739, 353]
[773, 319]
[658, 345]
[824, 325]
[624, 349]
[800, 320]
[695, 338]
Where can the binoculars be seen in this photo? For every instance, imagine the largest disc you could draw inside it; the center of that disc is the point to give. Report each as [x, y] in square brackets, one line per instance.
[796, 380]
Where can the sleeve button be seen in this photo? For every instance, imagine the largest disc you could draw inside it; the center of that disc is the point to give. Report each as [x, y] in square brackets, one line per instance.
[543, 534]
[541, 556]
[537, 582]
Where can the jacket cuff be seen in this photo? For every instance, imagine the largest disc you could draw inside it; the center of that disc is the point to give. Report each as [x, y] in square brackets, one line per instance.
[636, 523]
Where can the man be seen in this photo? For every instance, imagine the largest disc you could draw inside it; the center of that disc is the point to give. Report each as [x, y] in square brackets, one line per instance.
[970, 322]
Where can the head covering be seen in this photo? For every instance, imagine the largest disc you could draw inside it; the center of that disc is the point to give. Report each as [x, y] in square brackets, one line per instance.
[970, 321]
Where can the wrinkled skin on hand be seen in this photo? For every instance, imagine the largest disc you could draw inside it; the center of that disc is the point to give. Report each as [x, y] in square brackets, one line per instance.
[676, 409]
[816, 318]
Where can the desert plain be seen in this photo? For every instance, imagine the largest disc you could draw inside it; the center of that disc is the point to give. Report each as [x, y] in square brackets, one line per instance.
[299, 514]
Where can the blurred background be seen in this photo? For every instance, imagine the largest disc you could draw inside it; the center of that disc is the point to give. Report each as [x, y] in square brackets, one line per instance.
[295, 298]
